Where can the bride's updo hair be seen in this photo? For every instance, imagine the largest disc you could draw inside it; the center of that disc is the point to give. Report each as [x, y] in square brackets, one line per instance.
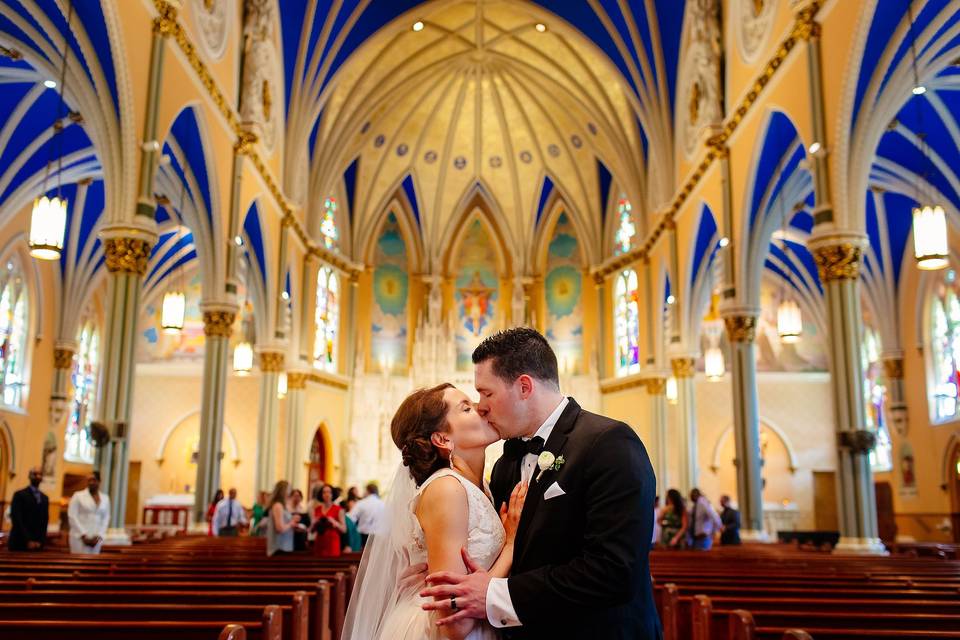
[420, 415]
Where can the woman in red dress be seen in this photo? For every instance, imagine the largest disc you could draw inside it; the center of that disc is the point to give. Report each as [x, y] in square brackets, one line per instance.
[329, 521]
[213, 509]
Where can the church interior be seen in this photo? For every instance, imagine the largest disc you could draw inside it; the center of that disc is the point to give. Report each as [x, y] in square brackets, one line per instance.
[235, 235]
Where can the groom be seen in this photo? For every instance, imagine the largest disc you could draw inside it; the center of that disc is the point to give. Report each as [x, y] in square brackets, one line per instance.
[580, 567]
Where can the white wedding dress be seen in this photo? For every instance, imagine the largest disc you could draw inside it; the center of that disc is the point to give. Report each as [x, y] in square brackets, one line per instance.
[485, 538]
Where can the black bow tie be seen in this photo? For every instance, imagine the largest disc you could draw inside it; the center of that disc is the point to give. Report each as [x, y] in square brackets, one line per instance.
[516, 448]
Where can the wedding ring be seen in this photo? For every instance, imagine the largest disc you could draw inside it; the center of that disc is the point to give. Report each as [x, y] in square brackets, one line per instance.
[453, 603]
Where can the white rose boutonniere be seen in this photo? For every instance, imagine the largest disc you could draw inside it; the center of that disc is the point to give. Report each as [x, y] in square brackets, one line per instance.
[547, 461]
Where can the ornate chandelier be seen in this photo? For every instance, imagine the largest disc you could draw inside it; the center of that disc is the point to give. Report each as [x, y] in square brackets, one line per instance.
[789, 321]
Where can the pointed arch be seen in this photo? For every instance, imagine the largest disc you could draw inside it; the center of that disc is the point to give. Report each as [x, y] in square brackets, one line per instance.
[477, 204]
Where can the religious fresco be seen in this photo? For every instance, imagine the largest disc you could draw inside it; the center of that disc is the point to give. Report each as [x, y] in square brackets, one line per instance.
[154, 345]
[563, 287]
[390, 293]
[476, 292]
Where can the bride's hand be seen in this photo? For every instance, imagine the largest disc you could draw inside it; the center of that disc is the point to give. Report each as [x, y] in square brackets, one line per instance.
[510, 511]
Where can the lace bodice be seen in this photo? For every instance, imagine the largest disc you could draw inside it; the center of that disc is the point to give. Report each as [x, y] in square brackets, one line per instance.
[485, 536]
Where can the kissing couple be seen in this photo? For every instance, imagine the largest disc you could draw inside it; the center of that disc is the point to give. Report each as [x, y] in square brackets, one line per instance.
[556, 546]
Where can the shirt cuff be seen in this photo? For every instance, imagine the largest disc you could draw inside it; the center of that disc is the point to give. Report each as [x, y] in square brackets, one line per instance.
[500, 611]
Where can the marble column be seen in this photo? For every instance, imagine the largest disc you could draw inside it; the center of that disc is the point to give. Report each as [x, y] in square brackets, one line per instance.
[657, 392]
[271, 364]
[689, 469]
[896, 403]
[296, 392]
[838, 256]
[741, 324]
[218, 322]
[61, 390]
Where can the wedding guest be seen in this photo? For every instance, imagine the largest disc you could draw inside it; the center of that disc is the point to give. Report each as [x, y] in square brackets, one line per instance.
[297, 507]
[730, 517]
[352, 494]
[368, 513]
[89, 514]
[673, 521]
[351, 540]
[704, 521]
[29, 514]
[329, 522]
[257, 522]
[212, 509]
[229, 516]
[280, 522]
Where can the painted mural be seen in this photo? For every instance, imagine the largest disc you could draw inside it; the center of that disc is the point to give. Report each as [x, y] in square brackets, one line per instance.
[563, 288]
[155, 345]
[390, 293]
[477, 290]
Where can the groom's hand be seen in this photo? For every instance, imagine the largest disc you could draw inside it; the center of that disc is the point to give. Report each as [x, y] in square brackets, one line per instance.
[470, 592]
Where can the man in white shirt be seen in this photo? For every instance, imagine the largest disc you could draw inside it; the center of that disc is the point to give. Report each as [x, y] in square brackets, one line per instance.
[704, 521]
[228, 515]
[89, 514]
[368, 513]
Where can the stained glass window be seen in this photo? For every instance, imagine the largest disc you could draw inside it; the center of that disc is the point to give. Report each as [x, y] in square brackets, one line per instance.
[328, 226]
[14, 307]
[625, 229]
[875, 401]
[327, 316]
[77, 446]
[945, 348]
[627, 323]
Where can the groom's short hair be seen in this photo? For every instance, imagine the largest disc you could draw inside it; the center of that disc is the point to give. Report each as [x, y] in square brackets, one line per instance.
[519, 351]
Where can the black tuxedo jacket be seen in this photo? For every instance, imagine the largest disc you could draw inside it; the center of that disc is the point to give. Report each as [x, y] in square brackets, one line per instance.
[580, 561]
[28, 519]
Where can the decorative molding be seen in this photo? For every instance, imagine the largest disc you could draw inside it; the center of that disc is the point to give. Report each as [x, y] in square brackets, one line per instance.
[127, 255]
[893, 368]
[271, 361]
[683, 367]
[326, 380]
[217, 323]
[296, 380]
[63, 358]
[657, 386]
[166, 23]
[741, 328]
[838, 261]
[615, 385]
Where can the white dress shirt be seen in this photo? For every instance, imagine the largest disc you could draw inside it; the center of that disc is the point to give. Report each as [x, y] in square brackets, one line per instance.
[368, 514]
[87, 518]
[228, 509]
[703, 518]
[500, 611]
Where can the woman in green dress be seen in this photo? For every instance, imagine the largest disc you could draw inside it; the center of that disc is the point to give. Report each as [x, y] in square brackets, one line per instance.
[674, 521]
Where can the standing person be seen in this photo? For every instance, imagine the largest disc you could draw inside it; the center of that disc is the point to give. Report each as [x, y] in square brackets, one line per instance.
[89, 514]
[211, 510]
[581, 566]
[704, 521]
[298, 508]
[368, 513]
[673, 521]
[329, 521]
[228, 516]
[351, 540]
[353, 494]
[730, 518]
[257, 523]
[280, 522]
[29, 515]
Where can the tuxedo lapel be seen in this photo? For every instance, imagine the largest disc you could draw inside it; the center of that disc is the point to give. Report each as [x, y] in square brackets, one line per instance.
[558, 438]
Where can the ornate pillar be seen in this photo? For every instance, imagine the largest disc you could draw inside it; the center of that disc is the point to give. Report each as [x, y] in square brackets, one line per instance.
[897, 404]
[296, 390]
[657, 391]
[126, 260]
[603, 317]
[838, 256]
[308, 308]
[63, 354]
[741, 326]
[271, 364]
[218, 322]
[689, 471]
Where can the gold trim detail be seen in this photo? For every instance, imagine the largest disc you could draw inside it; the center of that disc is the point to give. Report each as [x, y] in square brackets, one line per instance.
[127, 255]
[324, 380]
[657, 386]
[893, 368]
[166, 23]
[683, 367]
[296, 381]
[838, 262]
[244, 145]
[62, 358]
[218, 323]
[272, 361]
[616, 387]
[741, 328]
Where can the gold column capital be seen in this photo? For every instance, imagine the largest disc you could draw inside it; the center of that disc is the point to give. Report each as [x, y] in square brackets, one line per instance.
[741, 328]
[656, 386]
[218, 323]
[838, 261]
[245, 143]
[893, 368]
[806, 26]
[166, 23]
[63, 358]
[271, 361]
[127, 255]
[296, 380]
[683, 367]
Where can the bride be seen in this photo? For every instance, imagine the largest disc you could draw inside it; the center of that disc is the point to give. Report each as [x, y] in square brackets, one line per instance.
[438, 504]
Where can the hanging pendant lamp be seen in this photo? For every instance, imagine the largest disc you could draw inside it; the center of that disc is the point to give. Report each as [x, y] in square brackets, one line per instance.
[243, 358]
[930, 237]
[789, 321]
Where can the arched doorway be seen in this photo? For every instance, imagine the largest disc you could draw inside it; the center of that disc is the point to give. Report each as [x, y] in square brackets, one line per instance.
[954, 486]
[317, 471]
